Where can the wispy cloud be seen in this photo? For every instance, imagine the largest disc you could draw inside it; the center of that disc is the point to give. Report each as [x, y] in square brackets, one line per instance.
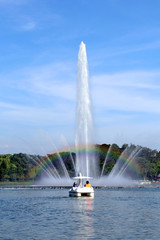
[136, 91]
[28, 26]
[128, 91]
[33, 115]
[15, 2]
[48, 87]
[125, 49]
[119, 99]
[55, 79]
[135, 79]
[138, 48]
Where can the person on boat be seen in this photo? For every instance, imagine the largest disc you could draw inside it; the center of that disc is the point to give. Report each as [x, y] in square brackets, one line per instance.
[87, 184]
[75, 184]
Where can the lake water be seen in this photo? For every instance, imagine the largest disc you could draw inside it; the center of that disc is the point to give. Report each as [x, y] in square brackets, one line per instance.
[118, 213]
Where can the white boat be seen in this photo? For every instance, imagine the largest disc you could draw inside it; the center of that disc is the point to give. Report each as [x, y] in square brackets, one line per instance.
[81, 190]
[144, 182]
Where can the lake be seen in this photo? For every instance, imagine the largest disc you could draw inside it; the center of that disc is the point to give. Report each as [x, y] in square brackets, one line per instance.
[113, 213]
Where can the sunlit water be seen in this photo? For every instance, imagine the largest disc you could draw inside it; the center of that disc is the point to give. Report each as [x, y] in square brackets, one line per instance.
[117, 213]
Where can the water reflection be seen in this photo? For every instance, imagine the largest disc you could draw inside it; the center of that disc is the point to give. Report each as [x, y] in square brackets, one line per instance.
[112, 214]
[84, 207]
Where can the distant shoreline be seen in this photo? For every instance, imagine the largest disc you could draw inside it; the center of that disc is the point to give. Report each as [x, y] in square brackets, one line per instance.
[25, 186]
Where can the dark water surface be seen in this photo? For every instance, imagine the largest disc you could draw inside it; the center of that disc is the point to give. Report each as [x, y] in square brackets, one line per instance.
[127, 213]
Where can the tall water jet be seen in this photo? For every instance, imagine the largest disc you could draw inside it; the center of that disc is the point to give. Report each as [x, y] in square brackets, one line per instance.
[85, 162]
[119, 173]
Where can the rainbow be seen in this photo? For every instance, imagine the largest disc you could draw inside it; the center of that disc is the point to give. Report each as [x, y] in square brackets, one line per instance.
[50, 159]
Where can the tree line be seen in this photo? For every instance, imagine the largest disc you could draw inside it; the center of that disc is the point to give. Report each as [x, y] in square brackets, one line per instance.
[25, 167]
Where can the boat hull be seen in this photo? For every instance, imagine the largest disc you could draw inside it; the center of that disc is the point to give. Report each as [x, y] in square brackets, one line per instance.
[81, 192]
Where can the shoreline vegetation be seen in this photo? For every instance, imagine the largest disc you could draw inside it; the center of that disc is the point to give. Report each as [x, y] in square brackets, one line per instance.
[25, 169]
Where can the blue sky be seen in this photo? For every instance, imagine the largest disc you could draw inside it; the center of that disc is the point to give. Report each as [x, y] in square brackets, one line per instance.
[39, 42]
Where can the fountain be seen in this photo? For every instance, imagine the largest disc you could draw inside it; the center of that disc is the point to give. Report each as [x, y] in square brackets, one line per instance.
[125, 171]
[85, 161]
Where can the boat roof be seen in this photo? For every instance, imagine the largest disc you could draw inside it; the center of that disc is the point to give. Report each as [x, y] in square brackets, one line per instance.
[82, 177]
